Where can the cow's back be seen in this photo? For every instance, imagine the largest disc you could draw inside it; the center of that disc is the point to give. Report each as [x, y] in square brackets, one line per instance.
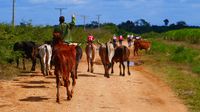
[121, 53]
[145, 45]
[103, 53]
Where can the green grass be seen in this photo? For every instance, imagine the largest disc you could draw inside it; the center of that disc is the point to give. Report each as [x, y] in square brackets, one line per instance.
[8, 71]
[179, 67]
[187, 35]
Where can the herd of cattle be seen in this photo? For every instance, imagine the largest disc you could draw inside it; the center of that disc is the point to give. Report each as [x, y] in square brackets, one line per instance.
[66, 58]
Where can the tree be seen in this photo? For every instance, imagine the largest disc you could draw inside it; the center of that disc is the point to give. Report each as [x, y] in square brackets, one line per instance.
[166, 21]
[141, 22]
[128, 25]
[181, 23]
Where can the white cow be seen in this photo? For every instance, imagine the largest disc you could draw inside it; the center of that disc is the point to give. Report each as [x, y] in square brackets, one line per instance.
[45, 53]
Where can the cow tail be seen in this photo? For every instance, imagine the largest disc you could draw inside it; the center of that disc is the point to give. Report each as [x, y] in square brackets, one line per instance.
[124, 51]
[47, 54]
[107, 50]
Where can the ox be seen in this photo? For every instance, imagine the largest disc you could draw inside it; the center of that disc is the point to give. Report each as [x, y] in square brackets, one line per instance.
[64, 57]
[90, 52]
[122, 54]
[141, 44]
[45, 53]
[79, 54]
[106, 52]
[29, 50]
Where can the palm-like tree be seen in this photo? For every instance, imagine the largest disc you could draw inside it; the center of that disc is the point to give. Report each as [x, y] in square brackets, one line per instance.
[166, 21]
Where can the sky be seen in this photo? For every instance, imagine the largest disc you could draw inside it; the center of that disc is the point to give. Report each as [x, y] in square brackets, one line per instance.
[44, 12]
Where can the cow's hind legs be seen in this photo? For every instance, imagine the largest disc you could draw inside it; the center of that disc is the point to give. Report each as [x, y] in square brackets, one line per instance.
[73, 83]
[67, 83]
[120, 68]
[57, 85]
[128, 62]
[123, 69]
[88, 65]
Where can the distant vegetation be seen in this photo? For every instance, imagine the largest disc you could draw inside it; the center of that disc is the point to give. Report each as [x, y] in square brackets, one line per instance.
[188, 35]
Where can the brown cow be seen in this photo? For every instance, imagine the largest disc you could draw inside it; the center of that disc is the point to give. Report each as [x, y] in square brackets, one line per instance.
[122, 54]
[141, 44]
[106, 52]
[90, 51]
[64, 57]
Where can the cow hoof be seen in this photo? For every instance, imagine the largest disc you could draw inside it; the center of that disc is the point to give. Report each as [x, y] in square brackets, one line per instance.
[58, 101]
[69, 98]
[50, 73]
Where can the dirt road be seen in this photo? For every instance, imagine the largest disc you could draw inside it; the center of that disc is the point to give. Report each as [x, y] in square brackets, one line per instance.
[140, 92]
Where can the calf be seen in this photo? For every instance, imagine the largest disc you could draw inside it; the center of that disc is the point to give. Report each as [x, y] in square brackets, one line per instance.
[106, 52]
[45, 53]
[141, 44]
[29, 50]
[122, 54]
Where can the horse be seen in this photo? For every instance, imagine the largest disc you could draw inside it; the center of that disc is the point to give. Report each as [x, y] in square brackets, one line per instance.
[90, 52]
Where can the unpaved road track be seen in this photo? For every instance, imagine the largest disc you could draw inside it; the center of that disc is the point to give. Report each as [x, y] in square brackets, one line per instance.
[140, 92]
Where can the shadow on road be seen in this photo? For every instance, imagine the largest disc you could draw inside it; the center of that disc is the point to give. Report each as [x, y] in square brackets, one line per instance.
[35, 82]
[34, 99]
[29, 87]
[86, 75]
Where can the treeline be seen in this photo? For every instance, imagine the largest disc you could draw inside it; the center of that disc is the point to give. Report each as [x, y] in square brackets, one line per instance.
[141, 26]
